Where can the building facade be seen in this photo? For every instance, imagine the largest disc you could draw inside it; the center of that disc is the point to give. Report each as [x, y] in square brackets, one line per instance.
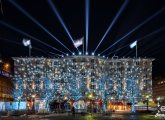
[6, 81]
[159, 90]
[75, 77]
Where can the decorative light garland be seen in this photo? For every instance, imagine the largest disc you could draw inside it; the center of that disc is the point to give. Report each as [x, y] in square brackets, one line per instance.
[73, 77]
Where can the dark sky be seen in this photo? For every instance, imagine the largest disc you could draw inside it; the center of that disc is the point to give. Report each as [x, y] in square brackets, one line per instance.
[15, 25]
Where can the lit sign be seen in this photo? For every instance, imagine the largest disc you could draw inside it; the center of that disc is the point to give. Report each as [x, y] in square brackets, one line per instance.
[6, 74]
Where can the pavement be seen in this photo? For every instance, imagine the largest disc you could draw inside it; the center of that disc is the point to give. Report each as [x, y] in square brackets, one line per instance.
[69, 116]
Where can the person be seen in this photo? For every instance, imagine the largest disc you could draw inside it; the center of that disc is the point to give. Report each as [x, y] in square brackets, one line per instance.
[95, 110]
[73, 110]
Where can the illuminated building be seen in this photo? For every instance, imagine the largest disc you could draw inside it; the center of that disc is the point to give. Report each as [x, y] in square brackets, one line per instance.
[159, 89]
[6, 81]
[76, 77]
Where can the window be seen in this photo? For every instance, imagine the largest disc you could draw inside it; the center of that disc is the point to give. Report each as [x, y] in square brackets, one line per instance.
[92, 74]
[83, 93]
[55, 62]
[92, 86]
[92, 61]
[92, 80]
[74, 66]
[92, 67]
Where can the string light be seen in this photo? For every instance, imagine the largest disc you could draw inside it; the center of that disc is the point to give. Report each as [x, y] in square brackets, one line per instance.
[72, 77]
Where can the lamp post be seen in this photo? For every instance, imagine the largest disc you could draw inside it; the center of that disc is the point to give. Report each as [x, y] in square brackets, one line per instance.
[33, 98]
[19, 98]
[158, 99]
[90, 96]
[147, 97]
[111, 102]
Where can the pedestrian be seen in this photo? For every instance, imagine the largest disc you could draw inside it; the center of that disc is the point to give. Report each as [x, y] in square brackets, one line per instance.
[73, 110]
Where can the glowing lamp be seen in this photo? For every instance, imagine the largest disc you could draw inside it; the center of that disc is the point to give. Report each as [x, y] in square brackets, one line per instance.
[158, 98]
[33, 96]
[7, 65]
[65, 98]
[19, 98]
[147, 96]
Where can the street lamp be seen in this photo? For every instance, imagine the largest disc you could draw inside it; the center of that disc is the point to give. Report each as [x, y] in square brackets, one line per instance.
[147, 101]
[90, 96]
[111, 102]
[158, 99]
[33, 96]
[19, 98]
[65, 98]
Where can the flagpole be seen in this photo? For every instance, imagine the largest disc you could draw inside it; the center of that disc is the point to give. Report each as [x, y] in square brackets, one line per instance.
[136, 50]
[134, 44]
[83, 47]
[133, 99]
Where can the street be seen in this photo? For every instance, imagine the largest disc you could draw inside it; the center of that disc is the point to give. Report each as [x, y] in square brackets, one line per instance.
[66, 116]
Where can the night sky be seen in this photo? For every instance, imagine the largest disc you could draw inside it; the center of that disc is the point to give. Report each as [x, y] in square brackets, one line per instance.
[141, 20]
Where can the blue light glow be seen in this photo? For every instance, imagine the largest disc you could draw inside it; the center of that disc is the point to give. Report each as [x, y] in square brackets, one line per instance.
[87, 22]
[4, 106]
[36, 22]
[134, 29]
[61, 20]
[113, 22]
[28, 35]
